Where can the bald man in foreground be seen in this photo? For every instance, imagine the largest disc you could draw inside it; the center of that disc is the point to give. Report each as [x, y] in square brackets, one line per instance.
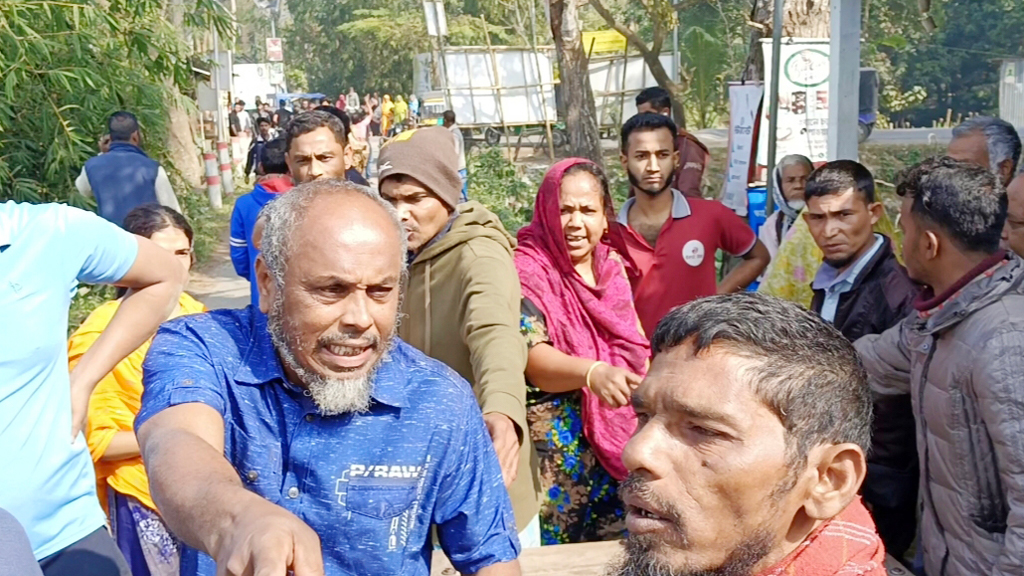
[312, 439]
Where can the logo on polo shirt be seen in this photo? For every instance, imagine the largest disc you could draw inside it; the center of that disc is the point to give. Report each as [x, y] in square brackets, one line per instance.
[693, 253]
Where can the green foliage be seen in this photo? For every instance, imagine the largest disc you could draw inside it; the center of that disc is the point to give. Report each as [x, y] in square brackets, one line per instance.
[502, 186]
[67, 65]
[704, 60]
[207, 224]
[371, 44]
[955, 67]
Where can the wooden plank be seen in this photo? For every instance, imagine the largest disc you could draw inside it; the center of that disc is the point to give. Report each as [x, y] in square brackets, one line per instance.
[590, 559]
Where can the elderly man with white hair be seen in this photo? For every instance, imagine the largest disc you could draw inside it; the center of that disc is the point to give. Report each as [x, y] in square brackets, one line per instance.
[308, 438]
[988, 142]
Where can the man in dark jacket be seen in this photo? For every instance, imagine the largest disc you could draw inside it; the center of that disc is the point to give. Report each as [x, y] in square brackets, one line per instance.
[862, 289]
[961, 357]
[124, 177]
[263, 135]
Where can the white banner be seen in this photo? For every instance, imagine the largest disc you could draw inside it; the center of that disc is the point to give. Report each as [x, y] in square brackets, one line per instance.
[744, 100]
[803, 99]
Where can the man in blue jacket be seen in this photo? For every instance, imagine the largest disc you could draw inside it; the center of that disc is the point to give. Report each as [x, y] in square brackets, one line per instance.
[273, 179]
[124, 177]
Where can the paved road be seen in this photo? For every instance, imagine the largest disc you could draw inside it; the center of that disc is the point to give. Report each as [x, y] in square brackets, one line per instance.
[719, 137]
[216, 284]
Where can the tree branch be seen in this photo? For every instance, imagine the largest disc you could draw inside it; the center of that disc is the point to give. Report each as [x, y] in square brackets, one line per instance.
[657, 30]
[631, 36]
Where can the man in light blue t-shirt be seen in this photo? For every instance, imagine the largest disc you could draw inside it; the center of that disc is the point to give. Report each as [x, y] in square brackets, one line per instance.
[47, 481]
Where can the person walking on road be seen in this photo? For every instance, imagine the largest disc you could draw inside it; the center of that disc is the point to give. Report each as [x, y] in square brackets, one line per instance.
[387, 110]
[448, 119]
[125, 177]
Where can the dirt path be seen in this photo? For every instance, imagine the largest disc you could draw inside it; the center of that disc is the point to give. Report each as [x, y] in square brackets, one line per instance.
[216, 284]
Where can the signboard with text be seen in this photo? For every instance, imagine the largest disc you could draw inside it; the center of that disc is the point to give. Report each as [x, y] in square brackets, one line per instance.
[604, 42]
[803, 100]
[744, 103]
[275, 50]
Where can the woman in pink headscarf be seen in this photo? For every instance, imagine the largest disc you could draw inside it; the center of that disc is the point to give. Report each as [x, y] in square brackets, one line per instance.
[587, 352]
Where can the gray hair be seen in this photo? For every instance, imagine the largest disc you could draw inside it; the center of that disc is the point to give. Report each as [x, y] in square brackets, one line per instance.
[1000, 136]
[806, 372]
[794, 159]
[287, 212]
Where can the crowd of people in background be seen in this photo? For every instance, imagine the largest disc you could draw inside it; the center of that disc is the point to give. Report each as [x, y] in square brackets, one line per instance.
[409, 374]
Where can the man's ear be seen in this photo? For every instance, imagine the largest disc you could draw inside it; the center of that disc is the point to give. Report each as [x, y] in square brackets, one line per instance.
[875, 208]
[265, 284]
[839, 472]
[350, 155]
[1006, 171]
[932, 244]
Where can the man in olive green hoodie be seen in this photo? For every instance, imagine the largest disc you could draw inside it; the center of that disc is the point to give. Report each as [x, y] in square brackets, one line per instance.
[462, 303]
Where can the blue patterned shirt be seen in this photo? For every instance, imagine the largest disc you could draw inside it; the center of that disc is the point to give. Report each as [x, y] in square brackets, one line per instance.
[370, 485]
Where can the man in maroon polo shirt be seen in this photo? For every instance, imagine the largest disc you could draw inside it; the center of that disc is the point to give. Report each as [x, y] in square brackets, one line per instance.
[693, 154]
[673, 238]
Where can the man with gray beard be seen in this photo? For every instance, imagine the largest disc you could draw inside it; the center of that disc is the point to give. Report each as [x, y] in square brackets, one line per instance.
[753, 422]
[311, 440]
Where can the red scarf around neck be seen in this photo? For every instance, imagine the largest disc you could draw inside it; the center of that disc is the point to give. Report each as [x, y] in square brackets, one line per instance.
[847, 545]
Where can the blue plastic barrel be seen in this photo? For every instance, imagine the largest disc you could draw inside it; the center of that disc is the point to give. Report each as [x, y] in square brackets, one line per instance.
[757, 206]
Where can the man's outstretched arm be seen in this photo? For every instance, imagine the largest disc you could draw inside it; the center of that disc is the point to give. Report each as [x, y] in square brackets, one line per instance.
[203, 501]
[156, 280]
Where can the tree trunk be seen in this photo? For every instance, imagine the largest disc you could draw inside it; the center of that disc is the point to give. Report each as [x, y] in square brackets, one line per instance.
[800, 19]
[581, 115]
[181, 141]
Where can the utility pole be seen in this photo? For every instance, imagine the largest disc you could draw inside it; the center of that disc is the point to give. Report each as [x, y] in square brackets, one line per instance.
[231, 51]
[844, 80]
[773, 105]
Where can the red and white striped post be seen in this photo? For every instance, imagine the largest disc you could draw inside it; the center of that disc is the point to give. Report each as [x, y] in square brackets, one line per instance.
[213, 188]
[226, 176]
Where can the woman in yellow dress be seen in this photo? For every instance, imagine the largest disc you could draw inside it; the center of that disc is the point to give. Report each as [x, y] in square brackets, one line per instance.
[140, 533]
[387, 109]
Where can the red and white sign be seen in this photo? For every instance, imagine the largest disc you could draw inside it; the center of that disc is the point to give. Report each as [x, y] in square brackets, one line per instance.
[275, 50]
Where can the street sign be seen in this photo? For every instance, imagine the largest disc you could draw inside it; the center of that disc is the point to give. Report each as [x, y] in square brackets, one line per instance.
[604, 42]
[275, 51]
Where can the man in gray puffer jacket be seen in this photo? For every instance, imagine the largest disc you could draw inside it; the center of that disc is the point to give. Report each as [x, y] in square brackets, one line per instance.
[961, 357]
